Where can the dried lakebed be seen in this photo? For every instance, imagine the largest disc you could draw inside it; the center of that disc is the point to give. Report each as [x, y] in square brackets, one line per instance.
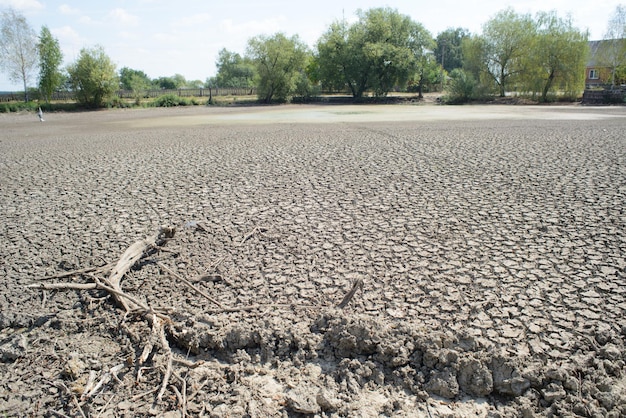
[490, 241]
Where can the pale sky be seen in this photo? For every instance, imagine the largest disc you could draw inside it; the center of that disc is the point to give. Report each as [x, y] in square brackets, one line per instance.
[166, 37]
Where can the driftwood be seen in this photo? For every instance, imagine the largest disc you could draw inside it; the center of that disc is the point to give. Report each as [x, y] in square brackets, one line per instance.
[358, 284]
[113, 285]
[133, 254]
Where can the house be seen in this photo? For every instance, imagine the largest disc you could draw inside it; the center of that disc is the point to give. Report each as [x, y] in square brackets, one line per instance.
[599, 69]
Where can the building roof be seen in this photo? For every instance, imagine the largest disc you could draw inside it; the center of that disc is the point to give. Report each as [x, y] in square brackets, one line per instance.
[594, 48]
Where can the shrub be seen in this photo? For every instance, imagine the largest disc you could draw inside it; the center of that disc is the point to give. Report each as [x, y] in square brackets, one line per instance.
[170, 100]
[116, 102]
[462, 87]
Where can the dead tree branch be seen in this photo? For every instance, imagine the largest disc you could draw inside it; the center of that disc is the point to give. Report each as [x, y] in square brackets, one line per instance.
[358, 284]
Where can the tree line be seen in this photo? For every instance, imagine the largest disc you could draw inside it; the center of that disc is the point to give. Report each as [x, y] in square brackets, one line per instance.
[381, 52]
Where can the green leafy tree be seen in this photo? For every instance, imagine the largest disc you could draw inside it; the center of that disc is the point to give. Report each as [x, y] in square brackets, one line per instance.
[194, 84]
[449, 50]
[166, 83]
[612, 51]
[279, 61]
[383, 50]
[93, 77]
[557, 58]
[428, 75]
[50, 59]
[337, 61]
[134, 79]
[18, 48]
[503, 47]
[177, 81]
[233, 70]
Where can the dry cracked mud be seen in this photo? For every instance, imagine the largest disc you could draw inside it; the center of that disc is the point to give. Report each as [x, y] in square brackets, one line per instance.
[490, 241]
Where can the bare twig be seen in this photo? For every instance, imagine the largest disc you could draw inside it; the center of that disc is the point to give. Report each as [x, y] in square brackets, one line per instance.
[140, 306]
[104, 380]
[251, 233]
[104, 408]
[189, 284]
[58, 414]
[154, 337]
[65, 286]
[60, 384]
[166, 376]
[94, 269]
[182, 394]
[141, 395]
[358, 284]
[187, 363]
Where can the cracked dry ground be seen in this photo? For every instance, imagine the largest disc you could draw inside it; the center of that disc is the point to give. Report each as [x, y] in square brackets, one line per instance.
[492, 254]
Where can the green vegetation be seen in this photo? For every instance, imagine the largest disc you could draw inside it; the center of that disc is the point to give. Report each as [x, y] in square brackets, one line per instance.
[50, 59]
[382, 50]
[32, 106]
[18, 48]
[463, 87]
[93, 77]
[233, 70]
[278, 61]
[540, 57]
[533, 57]
[613, 51]
[172, 100]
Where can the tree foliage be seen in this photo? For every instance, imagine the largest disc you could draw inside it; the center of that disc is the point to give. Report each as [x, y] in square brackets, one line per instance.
[93, 77]
[382, 50]
[134, 79]
[50, 59]
[462, 88]
[279, 61]
[18, 48]
[507, 38]
[449, 50]
[557, 58]
[537, 56]
[612, 52]
[233, 70]
[177, 81]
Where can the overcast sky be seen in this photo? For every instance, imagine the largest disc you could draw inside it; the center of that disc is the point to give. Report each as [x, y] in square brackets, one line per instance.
[166, 37]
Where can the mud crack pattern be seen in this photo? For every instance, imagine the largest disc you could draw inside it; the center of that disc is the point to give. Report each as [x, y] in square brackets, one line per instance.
[493, 256]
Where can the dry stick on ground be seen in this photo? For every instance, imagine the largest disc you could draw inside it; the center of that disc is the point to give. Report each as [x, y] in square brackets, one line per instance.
[105, 267]
[170, 360]
[358, 284]
[189, 284]
[131, 256]
[251, 233]
[140, 306]
[210, 277]
[113, 285]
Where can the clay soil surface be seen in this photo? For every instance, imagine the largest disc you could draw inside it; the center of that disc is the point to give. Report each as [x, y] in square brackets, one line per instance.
[490, 242]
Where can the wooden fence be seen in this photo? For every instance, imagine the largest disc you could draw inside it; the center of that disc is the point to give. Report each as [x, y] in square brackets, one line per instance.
[147, 94]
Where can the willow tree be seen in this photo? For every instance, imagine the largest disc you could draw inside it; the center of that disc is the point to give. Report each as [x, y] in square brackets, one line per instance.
[503, 48]
[557, 58]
